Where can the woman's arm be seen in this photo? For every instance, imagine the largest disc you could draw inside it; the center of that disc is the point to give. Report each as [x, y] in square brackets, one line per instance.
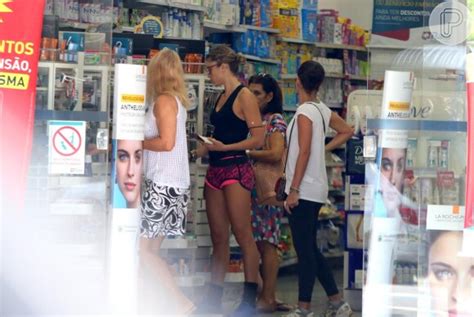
[248, 105]
[344, 132]
[305, 135]
[165, 111]
[274, 152]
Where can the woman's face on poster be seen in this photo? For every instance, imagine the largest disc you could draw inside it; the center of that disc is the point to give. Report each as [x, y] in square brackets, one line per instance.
[129, 166]
[451, 276]
[392, 176]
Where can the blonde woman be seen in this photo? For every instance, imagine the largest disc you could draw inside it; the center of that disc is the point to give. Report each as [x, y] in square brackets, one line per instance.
[166, 168]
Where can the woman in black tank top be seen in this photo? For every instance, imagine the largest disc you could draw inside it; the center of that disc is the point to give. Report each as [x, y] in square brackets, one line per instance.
[230, 178]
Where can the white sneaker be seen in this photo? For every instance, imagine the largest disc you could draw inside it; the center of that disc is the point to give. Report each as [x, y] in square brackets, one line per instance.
[342, 311]
[299, 313]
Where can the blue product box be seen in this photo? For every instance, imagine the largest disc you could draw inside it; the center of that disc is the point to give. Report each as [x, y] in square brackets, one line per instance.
[309, 20]
[266, 19]
[262, 46]
[124, 43]
[74, 40]
[355, 157]
[310, 4]
[246, 12]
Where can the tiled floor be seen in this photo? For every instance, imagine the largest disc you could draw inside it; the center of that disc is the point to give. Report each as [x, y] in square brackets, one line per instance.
[287, 291]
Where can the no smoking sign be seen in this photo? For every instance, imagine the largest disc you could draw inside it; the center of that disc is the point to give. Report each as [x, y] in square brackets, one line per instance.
[66, 147]
[67, 141]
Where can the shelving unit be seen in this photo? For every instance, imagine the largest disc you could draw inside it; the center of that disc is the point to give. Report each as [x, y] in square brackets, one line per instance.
[214, 27]
[324, 45]
[174, 4]
[261, 29]
[263, 60]
[328, 75]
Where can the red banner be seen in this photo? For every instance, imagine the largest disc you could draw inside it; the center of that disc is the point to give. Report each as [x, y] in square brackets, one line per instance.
[468, 222]
[21, 23]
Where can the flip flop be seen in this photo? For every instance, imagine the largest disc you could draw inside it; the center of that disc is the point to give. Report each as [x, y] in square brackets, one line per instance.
[283, 307]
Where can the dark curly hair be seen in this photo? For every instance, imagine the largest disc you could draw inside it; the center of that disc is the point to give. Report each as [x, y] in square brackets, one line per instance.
[269, 84]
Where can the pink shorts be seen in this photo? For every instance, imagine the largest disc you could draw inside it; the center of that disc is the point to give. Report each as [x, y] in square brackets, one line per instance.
[218, 177]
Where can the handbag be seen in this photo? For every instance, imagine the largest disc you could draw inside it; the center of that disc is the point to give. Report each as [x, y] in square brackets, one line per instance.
[280, 185]
[266, 175]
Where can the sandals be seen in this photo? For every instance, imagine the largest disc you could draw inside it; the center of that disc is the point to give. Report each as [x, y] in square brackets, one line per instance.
[277, 307]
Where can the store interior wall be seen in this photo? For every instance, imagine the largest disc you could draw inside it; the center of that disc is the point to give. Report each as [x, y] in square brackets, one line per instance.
[360, 11]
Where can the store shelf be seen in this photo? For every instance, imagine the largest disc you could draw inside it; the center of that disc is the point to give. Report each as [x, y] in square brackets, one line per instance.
[179, 244]
[288, 262]
[288, 76]
[174, 4]
[328, 75]
[93, 116]
[76, 25]
[261, 29]
[417, 125]
[41, 88]
[294, 41]
[263, 60]
[126, 29]
[338, 254]
[323, 45]
[189, 76]
[221, 28]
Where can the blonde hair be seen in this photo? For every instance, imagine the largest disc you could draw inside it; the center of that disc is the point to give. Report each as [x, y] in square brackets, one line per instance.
[165, 76]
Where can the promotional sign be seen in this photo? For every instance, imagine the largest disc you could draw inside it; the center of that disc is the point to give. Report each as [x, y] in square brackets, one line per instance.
[127, 159]
[441, 217]
[129, 101]
[20, 30]
[402, 23]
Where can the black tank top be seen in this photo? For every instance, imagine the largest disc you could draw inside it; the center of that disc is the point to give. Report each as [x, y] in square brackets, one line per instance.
[228, 128]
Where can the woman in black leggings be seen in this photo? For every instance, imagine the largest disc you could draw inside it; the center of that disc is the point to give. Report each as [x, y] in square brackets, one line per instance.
[307, 187]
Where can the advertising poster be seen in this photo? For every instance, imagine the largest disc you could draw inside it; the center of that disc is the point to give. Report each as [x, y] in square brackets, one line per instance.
[402, 23]
[127, 161]
[20, 31]
[441, 217]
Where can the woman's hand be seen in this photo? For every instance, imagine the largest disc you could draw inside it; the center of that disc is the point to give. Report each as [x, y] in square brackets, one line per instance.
[291, 201]
[216, 145]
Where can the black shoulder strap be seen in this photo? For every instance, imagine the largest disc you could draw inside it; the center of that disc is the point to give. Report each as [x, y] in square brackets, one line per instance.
[322, 118]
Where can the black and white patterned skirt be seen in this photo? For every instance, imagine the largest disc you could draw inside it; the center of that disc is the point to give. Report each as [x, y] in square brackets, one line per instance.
[163, 210]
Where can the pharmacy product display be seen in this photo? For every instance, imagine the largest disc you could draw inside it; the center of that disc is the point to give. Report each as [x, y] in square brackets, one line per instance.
[414, 148]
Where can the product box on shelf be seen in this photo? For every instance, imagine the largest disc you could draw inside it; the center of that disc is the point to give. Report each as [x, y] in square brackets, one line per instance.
[355, 163]
[309, 21]
[74, 40]
[310, 4]
[330, 65]
[326, 21]
[287, 20]
[124, 43]
[354, 230]
[266, 20]
[229, 14]
[247, 11]
[356, 189]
